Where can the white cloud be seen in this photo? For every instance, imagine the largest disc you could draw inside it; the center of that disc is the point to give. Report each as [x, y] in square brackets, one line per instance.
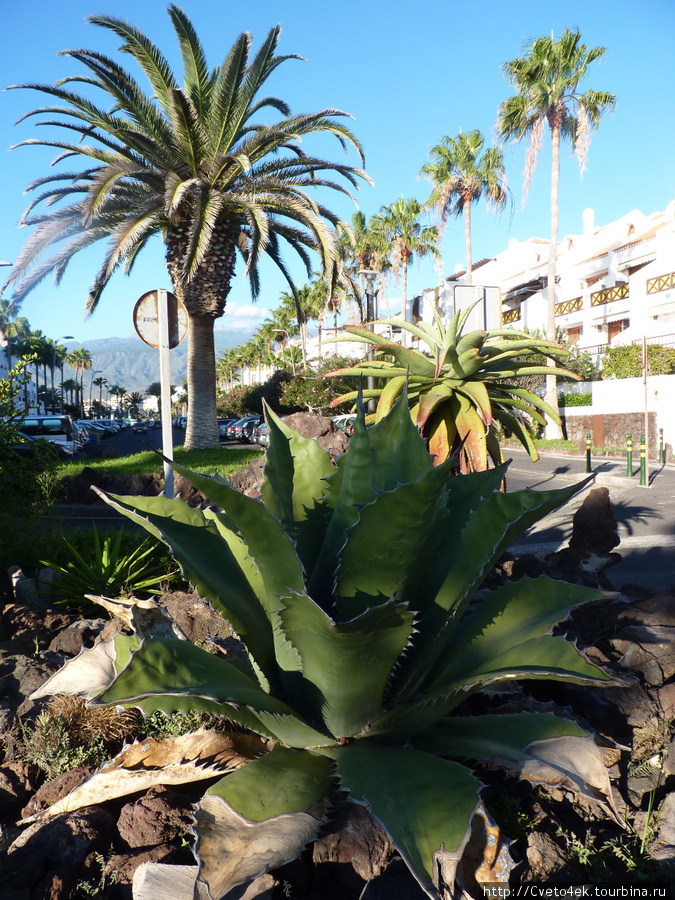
[242, 316]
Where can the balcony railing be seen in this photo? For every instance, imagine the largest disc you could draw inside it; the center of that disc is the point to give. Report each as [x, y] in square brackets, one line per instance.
[569, 306]
[512, 315]
[661, 283]
[607, 295]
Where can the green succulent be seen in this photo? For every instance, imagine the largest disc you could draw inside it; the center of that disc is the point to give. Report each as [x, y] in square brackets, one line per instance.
[460, 386]
[354, 588]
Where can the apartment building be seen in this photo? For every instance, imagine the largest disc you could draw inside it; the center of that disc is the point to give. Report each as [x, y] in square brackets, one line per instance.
[615, 284]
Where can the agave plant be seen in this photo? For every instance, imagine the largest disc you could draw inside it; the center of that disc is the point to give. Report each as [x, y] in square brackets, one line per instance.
[461, 385]
[354, 588]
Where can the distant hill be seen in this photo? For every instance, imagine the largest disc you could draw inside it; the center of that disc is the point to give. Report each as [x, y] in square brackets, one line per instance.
[133, 365]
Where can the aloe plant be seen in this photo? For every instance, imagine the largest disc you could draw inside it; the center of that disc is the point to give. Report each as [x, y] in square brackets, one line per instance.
[460, 386]
[355, 589]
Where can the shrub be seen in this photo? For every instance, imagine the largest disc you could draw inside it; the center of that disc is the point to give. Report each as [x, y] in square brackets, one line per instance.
[581, 399]
[626, 362]
[315, 391]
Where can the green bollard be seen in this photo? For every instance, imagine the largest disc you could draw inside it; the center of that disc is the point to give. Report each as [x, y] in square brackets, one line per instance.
[629, 455]
[588, 453]
[643, 463]
[662, 457]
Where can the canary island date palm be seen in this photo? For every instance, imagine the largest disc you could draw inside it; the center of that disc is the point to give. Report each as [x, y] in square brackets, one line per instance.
[354, 589]
[204, 164]
[547, 81]
[461, 177]
[459, 386]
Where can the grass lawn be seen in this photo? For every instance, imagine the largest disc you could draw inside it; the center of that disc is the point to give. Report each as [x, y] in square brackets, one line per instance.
[223, 460]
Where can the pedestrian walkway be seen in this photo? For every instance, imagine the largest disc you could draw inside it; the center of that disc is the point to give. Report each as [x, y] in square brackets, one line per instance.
[645, 515]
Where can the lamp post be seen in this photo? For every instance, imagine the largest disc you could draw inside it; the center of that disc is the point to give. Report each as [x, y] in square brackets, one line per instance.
[371, 298]
[91, 384]
[63, 337]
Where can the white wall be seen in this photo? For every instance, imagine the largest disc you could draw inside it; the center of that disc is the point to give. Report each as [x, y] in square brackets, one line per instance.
[627, 395]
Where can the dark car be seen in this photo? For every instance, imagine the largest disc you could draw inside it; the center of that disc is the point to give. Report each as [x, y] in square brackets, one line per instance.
[248, 427]
[261, 435]
[157, 423]
[139, 426]
[223, 425]
[28, 447]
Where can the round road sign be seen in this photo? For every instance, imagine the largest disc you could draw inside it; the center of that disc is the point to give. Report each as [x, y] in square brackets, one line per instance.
[146, 319]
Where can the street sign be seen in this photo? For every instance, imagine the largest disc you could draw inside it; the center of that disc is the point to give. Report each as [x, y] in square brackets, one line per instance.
[146, 319]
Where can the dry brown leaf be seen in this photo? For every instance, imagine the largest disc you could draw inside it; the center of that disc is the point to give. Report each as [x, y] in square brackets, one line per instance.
[233, 850]
[174, 760]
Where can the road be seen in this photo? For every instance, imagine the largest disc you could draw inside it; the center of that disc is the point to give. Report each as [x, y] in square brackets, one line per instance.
[645, 515]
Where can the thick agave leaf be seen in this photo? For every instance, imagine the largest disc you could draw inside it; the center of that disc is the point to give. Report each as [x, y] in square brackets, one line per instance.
[471, 429]
[294, 485]
[428, 813]
[399, 456]
[507, 634]
[517, 427]
[260, 817]
[213, 558]
[349, 663]
[384, 546]
[175, 675]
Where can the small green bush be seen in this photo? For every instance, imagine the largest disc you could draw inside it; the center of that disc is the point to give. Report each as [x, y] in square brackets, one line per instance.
[582, 399]
[626, 362]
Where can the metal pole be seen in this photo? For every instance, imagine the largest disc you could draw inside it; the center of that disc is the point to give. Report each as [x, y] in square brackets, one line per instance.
[662, 457]
[629, 455]
[643, 463]
[588, 453]
[165, 385]
[644, 378]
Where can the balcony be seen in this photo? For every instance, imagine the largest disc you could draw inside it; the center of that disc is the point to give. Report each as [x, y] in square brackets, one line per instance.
[569, 306]
[511, 315]
[608, 295]
[661, 283]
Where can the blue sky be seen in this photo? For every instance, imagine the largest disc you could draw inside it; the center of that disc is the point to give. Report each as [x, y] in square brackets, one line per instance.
[408, 74]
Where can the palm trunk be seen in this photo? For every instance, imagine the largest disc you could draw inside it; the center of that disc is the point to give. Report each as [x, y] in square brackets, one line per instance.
[553, 429]
[51, 369]
[467, 238]
[202, 425]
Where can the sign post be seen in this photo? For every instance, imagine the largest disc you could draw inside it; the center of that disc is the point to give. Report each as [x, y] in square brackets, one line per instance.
[161, 321]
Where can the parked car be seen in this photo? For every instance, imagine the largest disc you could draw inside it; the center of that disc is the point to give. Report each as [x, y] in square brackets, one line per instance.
[57, 429]
[261, 435]
[157, 423]
[139, 426]
[27, 447]
[223, 425]
[248, 427]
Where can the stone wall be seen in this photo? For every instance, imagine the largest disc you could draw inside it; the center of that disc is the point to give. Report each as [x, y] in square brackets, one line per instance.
[610, 430]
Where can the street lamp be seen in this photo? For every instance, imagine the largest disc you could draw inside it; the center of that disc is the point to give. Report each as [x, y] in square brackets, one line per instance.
[371, 298]
[91, 384]
[63, 337]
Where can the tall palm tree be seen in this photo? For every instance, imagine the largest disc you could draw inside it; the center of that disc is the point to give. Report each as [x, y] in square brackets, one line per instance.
[118, 392]
[547, 81]
[13, 330]
[100, 383]
[135, 399]
[461, 177]
[80, 360]
[399, 226]
[192, 163]
[70, 385]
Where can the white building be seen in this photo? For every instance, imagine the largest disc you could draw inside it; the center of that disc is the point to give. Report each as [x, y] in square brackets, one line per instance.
[614, 283]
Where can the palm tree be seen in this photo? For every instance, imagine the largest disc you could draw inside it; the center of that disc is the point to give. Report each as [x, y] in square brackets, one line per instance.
[100, 382]
[399, 226]
[547, 79]
[135, 399]
[70, 385]
[191, 163]
[80, 360]
[461, 176]
[117, 391]
[13, 330]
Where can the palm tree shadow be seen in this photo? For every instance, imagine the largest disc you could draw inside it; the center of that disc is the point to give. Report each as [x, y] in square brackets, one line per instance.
[630, 514]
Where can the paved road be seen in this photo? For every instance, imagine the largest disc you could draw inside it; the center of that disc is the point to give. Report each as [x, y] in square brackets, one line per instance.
[645, 515]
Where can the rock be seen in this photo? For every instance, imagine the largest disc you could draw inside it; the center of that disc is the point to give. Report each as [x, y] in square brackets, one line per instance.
[663, 845]
[34, 628]
[64, 841]
[58, 884]
[196, 618]
[248, 480]
[18, 780]
[54, 790]
[544, 857]
[82, 633]
[594, 526]
[645, 637]
[355, 849]
[161, 816]
[395, 883]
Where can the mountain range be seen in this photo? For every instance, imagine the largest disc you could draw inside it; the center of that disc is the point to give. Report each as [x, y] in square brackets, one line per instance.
[134, 365]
